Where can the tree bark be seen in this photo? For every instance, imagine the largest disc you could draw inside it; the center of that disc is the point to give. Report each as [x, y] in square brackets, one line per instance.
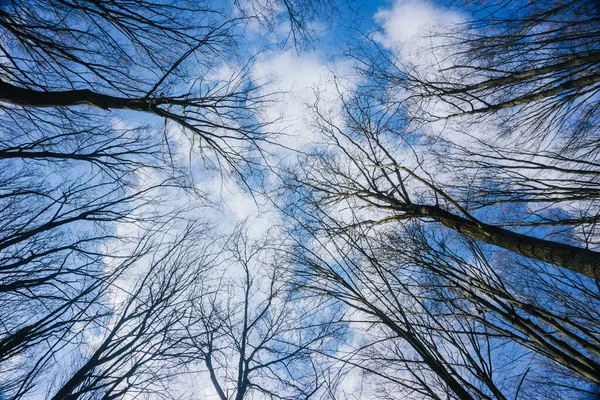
[18, 96]
[577, 259]
[517, 77]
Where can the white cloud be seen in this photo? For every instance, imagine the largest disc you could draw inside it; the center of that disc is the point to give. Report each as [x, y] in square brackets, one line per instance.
[297, 80]
[409, 21]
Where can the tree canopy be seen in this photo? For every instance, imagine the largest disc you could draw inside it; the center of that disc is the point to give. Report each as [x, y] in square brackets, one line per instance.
[291, 199]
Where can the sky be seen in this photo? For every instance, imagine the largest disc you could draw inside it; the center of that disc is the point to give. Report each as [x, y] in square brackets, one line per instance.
[321, 72]
[299, 79]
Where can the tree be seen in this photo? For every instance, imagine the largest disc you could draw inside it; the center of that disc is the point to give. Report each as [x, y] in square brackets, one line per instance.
[84, 185]
[111, 56]
[442, 241]
[451, 212]
[506, 108]
[369, 170]
[545, 59]
[142, 339]
[63, 194]
[440, 319]
[488, 156]
[71, 173]
[254, 336]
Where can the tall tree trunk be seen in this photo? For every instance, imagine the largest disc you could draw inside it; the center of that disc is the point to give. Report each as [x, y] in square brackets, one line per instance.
[577, 259]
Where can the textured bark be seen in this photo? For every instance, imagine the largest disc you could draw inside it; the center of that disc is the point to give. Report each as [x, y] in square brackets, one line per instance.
[517, 77]
[574, 84]
[537, 96]
[15, 95]
[577, 259]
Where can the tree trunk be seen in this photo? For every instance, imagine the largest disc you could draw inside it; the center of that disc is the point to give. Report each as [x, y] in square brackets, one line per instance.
[15, 95]
[577, 259]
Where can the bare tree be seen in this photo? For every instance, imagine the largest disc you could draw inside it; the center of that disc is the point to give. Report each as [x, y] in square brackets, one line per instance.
[368, 168]
[436, 216]
[142, 340]
[439, 319]
[256, 337]
[504, 105]
[80, 176]
[465, 254]
[540, 60]
[167, 60]
[63, 193]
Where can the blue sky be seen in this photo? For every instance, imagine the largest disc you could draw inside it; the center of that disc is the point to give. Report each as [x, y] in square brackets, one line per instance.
[313, 88]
